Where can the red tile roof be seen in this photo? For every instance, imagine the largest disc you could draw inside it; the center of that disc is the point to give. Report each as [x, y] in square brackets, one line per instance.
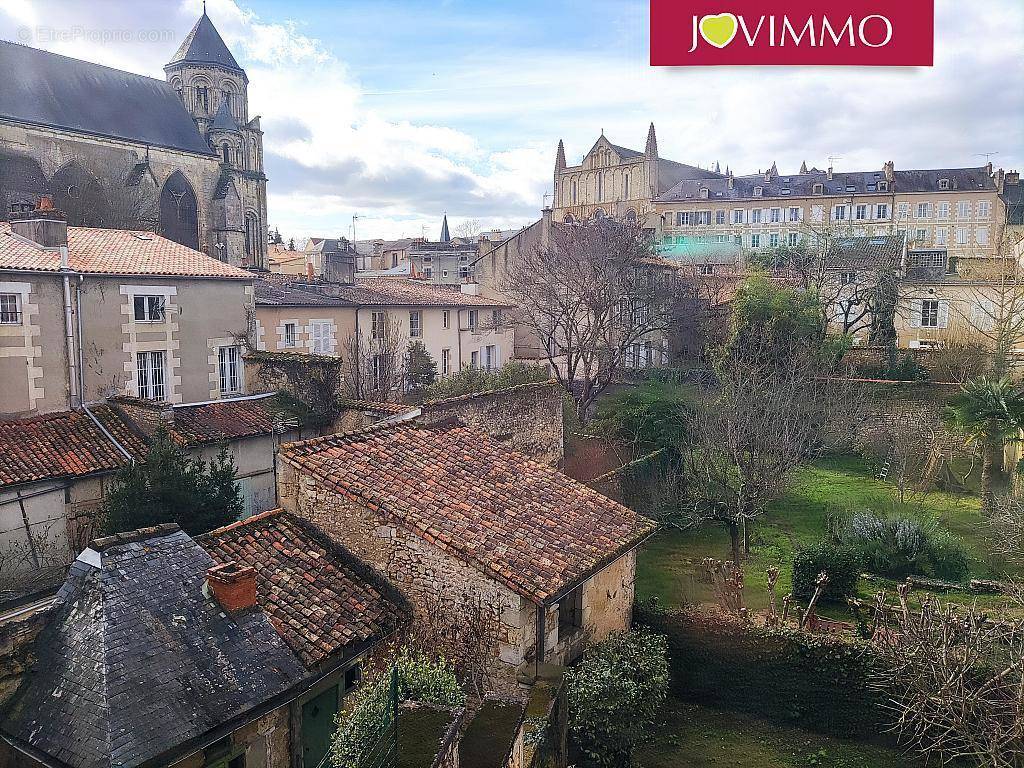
[518, 521]
[62, 445]
[319, 597]
[219, 421]
[115, 252]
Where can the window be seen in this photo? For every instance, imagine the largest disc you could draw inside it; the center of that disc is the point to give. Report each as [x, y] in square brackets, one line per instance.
[940, 235]
[490, 357]
[464, 271]
[963, 209]
[961, 235]
[474, 320]
[229, 365]
[924, 210]
[883, 186]
[818, 189]
[626, 187]
[984, 209]
[776, 215]
[352, 676]
[446, 362]
[149, 309]
[446, 318]
[474, 360]
[570, 613]
[929, 313]
[737, 239]
[904, 210]
[755, 241]
[428, 272]
[203, 97]
[377, 366]
[378, 321]
[755, 216]
[758, 191]
[943, 183]
[290, 336]
[920, 235]
[981, 236]
[10, 309]
[320, 336]
[942, 210]
[861, 212]
[794, 214]
[706, 269]
[444, 273]
[839, 212]
[719, 217]
[773, 240]
[415, 325]
[496, 318]
[847, 278]
[882, 211]
[737, 216]
[151, 375]
[793, 239]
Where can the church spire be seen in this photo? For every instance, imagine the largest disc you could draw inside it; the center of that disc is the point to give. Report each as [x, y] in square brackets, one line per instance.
[651, 150]
[445, 237]
[803, 167]
[560, 157]
[718, 168]
[204, 45]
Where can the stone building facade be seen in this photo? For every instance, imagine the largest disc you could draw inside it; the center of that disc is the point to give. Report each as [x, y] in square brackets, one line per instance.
[119, 150]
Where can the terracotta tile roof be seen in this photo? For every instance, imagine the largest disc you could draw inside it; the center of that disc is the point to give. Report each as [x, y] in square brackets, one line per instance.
[288, 290]
[115, 252]
[66, 444]
[319, 597]
[517, 521]
[389, 409]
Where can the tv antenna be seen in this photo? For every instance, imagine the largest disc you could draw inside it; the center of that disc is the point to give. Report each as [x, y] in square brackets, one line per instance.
[986, 155]
[832, 160]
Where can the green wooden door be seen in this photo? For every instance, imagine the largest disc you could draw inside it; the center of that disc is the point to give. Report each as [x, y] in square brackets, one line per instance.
[318, 726]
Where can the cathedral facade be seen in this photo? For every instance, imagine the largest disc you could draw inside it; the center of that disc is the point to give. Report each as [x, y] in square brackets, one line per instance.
[181, 157]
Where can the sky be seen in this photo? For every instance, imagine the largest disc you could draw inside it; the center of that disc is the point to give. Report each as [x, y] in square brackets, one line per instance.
[399, 112]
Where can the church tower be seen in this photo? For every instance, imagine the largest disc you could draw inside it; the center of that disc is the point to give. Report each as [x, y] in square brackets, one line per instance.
[214, 90]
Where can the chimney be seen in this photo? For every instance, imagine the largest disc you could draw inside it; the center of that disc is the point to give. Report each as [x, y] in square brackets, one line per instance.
[309, 269]
[1000, 180]
[545, 226]
[731, 178]
[233, 585]
[45, 225]
[828, 173]
[889, 169]
[1011, 179]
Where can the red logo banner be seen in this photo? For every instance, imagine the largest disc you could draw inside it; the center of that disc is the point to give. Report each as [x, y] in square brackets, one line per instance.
[876, 33]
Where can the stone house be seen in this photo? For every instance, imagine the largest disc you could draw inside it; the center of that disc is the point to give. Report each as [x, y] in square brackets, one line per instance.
[235, 649]
[464, 526]
[89, 313]
[181, 157]
[457, 328]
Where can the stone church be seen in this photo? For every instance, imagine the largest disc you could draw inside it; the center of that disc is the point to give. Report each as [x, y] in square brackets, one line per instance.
[114, 149]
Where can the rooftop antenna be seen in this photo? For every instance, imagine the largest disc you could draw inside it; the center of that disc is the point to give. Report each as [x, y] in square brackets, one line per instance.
[832, 160]
[986, 155]
[544, 202]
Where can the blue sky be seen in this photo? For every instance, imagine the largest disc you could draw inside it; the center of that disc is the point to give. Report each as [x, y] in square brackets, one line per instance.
[399, 111]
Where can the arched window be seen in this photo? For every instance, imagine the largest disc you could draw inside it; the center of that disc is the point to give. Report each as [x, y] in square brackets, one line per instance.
[255, 155]
[625, 187]
[179, 211]
[600, 186]
[569, 219]
[201, 94]
[225, 153]
[575, 193]
[630, 215]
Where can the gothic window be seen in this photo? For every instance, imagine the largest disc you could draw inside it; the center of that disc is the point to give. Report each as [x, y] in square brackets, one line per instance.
[252, 240]
[179, 211]
[225, 153]
[600, 186]
[226, 96]
[626, 187]
[255, 155]
[80, 196]
[575, 195]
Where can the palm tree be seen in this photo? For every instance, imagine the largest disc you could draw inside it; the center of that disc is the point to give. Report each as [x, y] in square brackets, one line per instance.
[990, 413]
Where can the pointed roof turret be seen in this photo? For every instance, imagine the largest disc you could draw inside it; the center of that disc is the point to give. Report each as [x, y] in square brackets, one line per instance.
[774, 170]
[718, 168]
[803, 167]
[560, 157]
[445, 236]
[224, 120]
[204, 45]
[651, 150]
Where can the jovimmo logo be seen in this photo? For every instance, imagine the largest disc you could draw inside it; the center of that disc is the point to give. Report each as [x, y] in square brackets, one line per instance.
[884, 33]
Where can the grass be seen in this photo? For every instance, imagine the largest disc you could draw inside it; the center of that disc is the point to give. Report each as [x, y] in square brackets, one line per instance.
[668, 566]
[698, 737]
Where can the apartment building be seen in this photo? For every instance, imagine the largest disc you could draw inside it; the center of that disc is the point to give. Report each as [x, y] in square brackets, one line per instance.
[955, 210]
[90, 313]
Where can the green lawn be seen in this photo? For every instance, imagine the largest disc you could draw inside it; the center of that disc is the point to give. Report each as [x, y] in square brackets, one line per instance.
[669, 564]
[698, 737]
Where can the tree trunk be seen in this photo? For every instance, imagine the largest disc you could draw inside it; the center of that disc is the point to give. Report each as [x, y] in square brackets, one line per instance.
[988, 452]
[734, 536]
[747, 523]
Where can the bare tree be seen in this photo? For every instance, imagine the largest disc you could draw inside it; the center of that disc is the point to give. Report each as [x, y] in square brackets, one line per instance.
[119, 195]
[593, 297]
[954, 680]
[469, 229]
[375, 362]
[32, 559]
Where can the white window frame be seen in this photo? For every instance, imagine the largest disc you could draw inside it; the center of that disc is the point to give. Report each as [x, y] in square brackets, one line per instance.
[930, 311]
[151, 375]
[153, 306]
[229, 369]
[882, 211]
[320, 337]
[737, 215]
[963, 209]
[984, 209]
[491, 357]
[10, 309]
[962, 235]
[473, 319]
[446, 361]
[923, 211]
[290, 335]
[378, 323]
[415, 324]
[794, 214]
[446, 318]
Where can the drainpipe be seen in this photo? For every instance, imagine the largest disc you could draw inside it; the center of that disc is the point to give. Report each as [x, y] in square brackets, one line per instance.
[458, 334]
[355, 363]
[69, 333]
[542, 612]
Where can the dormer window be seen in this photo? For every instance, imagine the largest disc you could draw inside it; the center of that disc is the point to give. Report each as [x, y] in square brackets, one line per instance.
[819, 189]
[758, 191]
[943, 183]
[883, 186]
[704, 193]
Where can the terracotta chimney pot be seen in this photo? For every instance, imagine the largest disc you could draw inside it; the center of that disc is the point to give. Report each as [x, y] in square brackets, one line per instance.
[233, 585]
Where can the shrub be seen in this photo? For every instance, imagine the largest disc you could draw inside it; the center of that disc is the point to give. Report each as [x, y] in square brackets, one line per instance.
[899, 546]
[652, 416]
[841, 563]
[470, 381]
[418, 679]
[615, 694]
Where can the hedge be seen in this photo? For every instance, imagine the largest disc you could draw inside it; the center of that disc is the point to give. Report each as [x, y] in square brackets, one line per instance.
[814, 682]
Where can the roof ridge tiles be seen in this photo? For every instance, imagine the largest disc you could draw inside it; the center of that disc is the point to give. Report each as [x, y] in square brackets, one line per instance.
[104, 543]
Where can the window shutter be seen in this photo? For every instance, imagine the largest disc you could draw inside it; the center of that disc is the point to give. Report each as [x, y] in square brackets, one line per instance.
[915, 313]
[943, 314]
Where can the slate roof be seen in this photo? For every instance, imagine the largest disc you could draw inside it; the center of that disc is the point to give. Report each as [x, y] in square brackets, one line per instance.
[320, 598]
[204, 45]
[515, 520]
[841, 183]
[879, 252]
[224, 120]
[296, 291]
[64, 445]
[47, 89]
[115, 252]
[135, 661]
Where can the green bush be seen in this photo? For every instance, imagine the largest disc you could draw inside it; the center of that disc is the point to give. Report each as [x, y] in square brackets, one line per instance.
[469, 381]
[653, 416]
[842, 565]
[615, 694]
[418, 679]
[897, 546]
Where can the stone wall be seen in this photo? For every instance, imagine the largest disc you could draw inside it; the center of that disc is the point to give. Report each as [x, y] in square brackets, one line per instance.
[528, 417]
[265, 742]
